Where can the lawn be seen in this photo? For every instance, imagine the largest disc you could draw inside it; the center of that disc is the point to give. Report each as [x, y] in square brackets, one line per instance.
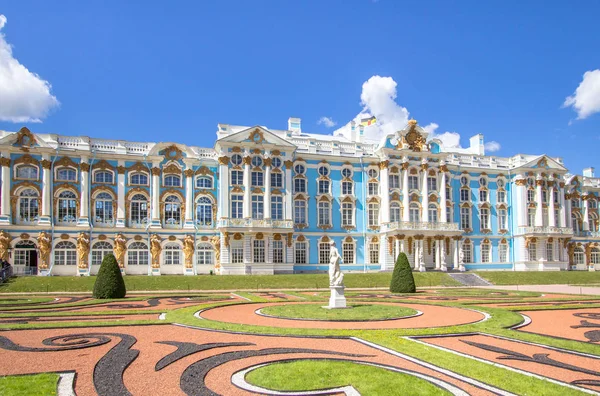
[354, 312]
[29, 385]
[541, 278]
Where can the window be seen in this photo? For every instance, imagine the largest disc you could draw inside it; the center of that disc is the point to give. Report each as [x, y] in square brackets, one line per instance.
[578, 256]
[347, 214]
[257, 179]
[300, 253]
[414, 213]
[24, 252]
[276, 162]
[448, 192]
[575, 222]
[299, 169]
[394, 180]
[502, 219]
[66, 174]
[300, 185]
[323, 186]
[277, 207]
[27, 172]
[374, 188]
[172, 211]
[595, 256]
[484, 217]
[555, 196]
[431, 183]
[139, 210]
[467, 253]
[432, 213]
[67, 207]
[374, 253]
[258, 251]
[347, 188]
[204, 182]
[103, 177]
[545, 216]
[257, 162]
[99, 250]
[258, 209]
[172, 181]
[278, 251]
[300, 211]
[593, 223]
[347, 172]
[237, 177]
[550, 251]
[544, 196]
[557, 217]
[483, 182]
[448, 214]
[530, 196]
[592, 204]
[103, 209]
[277, 180]
[500, 183]
[532, 251]
[348, 252]
[236, 159]
[501, 196]
[172, 254]
[237, 206]
[324, 250]
[530, 217]
[373, 214]
[485, 253]
[204, 254]
[575, 203]
[503, 252]
[204, 212]
[324, 214]
[139, 179]
[323, 171]
[413, 182]
[465, 218]
[65, 253]
[395, 215]
[28, 206]
[372, 173]
[237, 253]
[137, 254]
[465, 194]
[464, 181]
[483, 195]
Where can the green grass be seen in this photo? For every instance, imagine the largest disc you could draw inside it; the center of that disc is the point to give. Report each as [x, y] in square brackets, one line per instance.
[355, 312]
[8, 301]
[34, 284]
[541, 278]
[29, 385]
[306, 375]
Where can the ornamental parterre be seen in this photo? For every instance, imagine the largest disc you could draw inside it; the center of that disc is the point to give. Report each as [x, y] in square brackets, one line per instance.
[265, 201]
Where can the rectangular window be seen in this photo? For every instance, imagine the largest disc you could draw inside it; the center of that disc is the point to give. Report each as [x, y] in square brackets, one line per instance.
[324, 253]
[278, 251]
[347, 188]
[484, 217]
[300, 212]
[373, 215]
[550, 251]
[323, 186]
[348, 253]
[502, 219]
[557, 217]
[483, 195]
[300, 253]
[544, 196]
[324, 213]
[448, 193]
[98, 256]
[374, 253]
[555, 195]
[485, 253]
[257, 207]
[237, 177]
[277, 180]
[237, 254]
[467, 253]
[530, 217]
[413, 182]
[503, 253]
[465, 218]
[277, 207]
[431, 184]
[465, 195]
[532, 251]
[258, 251]
[258, 179]
[347, 214]
[448, 214]
[237, 206]
[530, 196]
[300, 185]
[172, 257]
[394, 181]
[373, 188]
[501, 196]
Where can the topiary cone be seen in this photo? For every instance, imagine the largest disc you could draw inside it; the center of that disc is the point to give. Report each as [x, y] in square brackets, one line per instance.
[109, 282]
[402, 278]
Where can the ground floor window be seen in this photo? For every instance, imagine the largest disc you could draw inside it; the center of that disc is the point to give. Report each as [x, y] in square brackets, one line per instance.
[467, 253]
[258, 251]
[278, 251]
[374, 253]
[550, 251]
[25, 254]
[300, 253]
[172, 254]
[595, 256]
[348, 253]
[137, 254]
[532, 251]
[578, 256]
[237, 253]
[503, 253]
[65, 253]
[204, 254]
[485, 253]
[324, 253]
[99, 250]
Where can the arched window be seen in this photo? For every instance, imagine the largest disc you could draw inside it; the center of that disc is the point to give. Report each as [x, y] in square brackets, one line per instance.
[172, 211]
[277, 207]
[25, 254]
[348, 252]
[204, 183]
[204, 254]
[27, 172]
[172, 181]
[138, 212]
[414, 213]
[103, 209]
[172, 253]
[593, 221]
[578, 256]
[67, 207]
[28, 206]
[300, 211]
[139, 179]
[65, 253]
[99, 250]
[395, 212]
[595, 256]
[373, 214]
[204, 212]
[486, 252]
[66, 174]
[432, 213]
[103, 177]
[576, 220]
[137, 254]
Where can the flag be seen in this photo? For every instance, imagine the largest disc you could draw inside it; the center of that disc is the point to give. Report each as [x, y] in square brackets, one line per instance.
[368, 121]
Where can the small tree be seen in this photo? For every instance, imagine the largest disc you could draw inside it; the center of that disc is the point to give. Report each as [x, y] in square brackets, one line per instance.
[402, 278]
[109, 282]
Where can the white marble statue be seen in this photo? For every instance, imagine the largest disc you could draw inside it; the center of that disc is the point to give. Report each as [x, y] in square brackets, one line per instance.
[336, 277]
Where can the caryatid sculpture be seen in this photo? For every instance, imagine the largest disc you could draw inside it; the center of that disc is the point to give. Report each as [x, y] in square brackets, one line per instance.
[119, 249]
[5, 239]
[83, 249]
[45, 247]
[155, 249]
[336, 277]
[188, 251]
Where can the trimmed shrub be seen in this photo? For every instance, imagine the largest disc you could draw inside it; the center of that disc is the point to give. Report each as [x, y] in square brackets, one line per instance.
[402, 278]
[109, 282]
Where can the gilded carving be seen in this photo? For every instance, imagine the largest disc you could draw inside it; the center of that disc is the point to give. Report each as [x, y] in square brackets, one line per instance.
[45, 247]
[155, 171]
[443, 169]
[391, 244]
[138, 167]
[226, 239]
[224, 160]
[155, 250]
[410, 245]
[25, 138]
[83, 249]
[247, 160]
[290, 239]
[215, 241]
[188, 251]
[384, 165]
[188, 173]
[539, 182]
[268, 161]
[405, 165]
[4, 161]
[171, 169]
[119, 249]
[65, 161]
[521, 182]
[24, 236]
[26, 159]
[5, 239]
[85, 167]
[204, 171]
[288, 164]
[137, 238]
[256, 136]
[173, 153]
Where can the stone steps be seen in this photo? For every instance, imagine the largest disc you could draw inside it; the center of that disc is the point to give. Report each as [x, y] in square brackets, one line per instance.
[469, 279]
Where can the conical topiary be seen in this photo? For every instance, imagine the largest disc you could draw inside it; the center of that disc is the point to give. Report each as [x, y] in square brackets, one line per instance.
[402, 278]
[109, 282]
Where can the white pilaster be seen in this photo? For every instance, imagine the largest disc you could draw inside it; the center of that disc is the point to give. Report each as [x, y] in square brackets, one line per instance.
[5, 199]
[121, 215]
[46, 186]
[405, 199]
[384, 192]
[521, 201]
[288, 215]
[438, 258]
[247, 208]
[443, 256]
[84, 198]
[267, 210]
[189, 197]
[156, 221]
[422, 256]
[455, 255]
[424, 198]
[224, 188]
[443, 209]
[539, 217]
[551, 208]
[565, 212]
[586, 212]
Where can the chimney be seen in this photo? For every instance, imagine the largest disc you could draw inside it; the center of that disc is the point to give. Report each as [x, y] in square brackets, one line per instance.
[295, 125]
[588, 172]
[361, 133]
[476, 144]
[353, 131]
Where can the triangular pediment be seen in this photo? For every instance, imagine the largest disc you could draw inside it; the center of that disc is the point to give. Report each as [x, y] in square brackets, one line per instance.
[256, 136]
[24, 139]
[544, 162]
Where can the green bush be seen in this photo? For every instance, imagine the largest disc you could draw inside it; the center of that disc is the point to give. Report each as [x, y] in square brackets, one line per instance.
[402, 278]
[109, 282]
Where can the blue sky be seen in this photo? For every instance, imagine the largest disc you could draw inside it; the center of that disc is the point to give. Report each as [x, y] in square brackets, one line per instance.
[170, 71]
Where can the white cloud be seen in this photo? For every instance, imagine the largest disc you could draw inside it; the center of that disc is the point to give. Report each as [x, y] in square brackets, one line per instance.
[327, 121]
[586, 98]
[24, 96]
[491, 147]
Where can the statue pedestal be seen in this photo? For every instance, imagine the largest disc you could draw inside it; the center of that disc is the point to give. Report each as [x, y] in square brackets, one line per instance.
[337, 298]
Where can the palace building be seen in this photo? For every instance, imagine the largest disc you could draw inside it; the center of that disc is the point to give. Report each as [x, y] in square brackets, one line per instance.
[265, 201]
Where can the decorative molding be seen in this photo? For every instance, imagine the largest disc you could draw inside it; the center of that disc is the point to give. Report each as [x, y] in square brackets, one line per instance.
[85, 167]
[155, 171]
[25, 159]
[170, 169]
[65, 161]
[223, 160]
[188, 173]
[25, 138]
[173, 153]
[204, 171]
[138, 167]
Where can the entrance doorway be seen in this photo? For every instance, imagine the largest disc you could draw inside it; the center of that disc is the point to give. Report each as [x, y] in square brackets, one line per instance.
[25, 258]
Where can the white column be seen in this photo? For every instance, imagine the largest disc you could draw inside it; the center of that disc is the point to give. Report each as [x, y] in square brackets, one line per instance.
[5, 200]
[288, 215]
[84, 198]
[521, 202]
[121, 195]
[551, 218]
[46, 185]
[422, 256]
[565, 212]
[189, 198]
[455, 254]
[247, 209]
[539, 218]
[443, 255]
[247, 249]
[443, 208]
[397, 248]
[586, 212]
[416, 252]
[424, 196]
[438, 256]
[224, 188]
[156, 221]
[461, 264]
[405, 198]
[402, 246]
[267, 198]
[384, 192]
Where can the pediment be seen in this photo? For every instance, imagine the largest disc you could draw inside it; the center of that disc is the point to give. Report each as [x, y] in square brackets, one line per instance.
[544, 162]
[172, 151]
[24, 139]
[256, 136]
